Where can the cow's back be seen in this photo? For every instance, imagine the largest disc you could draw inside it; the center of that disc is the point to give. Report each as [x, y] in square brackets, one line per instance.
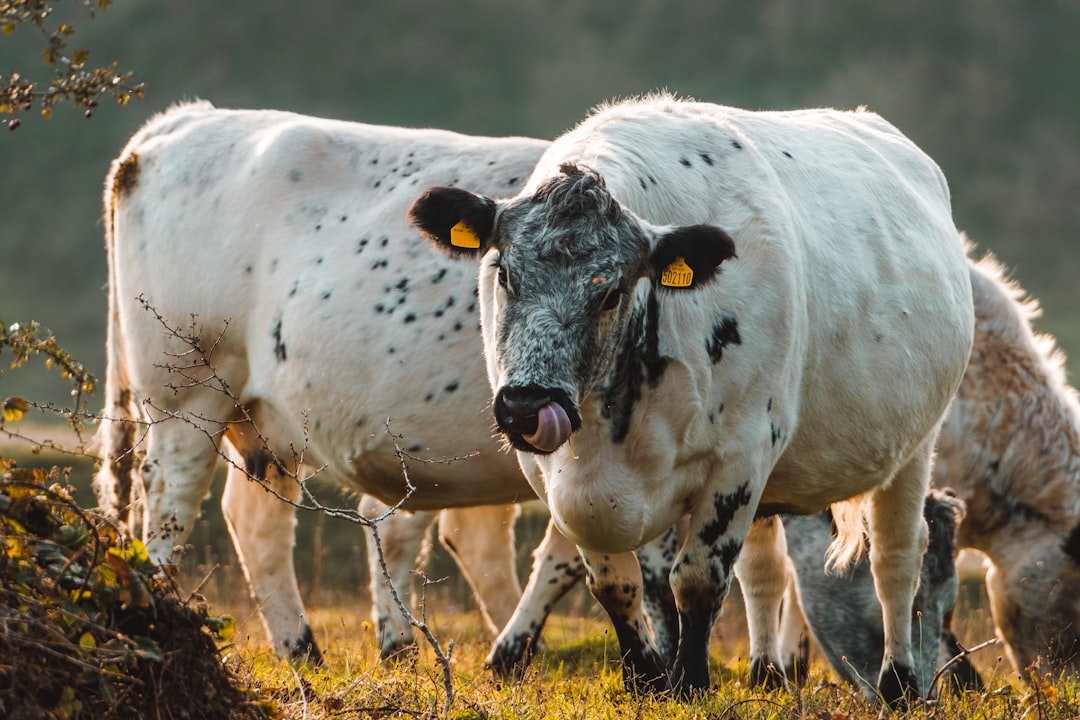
[285, 237]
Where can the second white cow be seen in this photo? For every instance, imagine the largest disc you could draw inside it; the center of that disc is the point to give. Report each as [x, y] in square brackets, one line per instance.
[264, 285]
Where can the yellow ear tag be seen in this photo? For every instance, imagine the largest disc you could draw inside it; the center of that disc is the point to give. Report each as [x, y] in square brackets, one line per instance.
[462, 236]
[677, 274]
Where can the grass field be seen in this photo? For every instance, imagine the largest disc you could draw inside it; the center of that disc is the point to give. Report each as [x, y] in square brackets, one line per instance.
[578, 675]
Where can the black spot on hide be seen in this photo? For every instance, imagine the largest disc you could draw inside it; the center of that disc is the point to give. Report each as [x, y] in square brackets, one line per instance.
[279, 344]
[725, 332]
[639, 361]
[724, 508]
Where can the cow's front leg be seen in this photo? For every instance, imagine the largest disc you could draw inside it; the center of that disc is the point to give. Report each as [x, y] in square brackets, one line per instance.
[557, 567]
[615, 582]
[898, 538]
[701, 577]
[762, 573]
[656, 559]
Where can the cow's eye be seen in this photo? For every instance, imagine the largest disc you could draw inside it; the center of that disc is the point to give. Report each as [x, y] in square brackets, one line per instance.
[502, 277]
[611, 299]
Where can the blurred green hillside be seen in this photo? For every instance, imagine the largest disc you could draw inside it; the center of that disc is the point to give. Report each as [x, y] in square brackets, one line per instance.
[989, 89]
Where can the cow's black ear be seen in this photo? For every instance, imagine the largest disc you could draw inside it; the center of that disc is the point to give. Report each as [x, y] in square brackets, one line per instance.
[689, 256]
[454, 220]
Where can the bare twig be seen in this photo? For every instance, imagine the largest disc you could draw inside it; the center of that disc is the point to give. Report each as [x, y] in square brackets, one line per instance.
[956, 659]
[193, 366]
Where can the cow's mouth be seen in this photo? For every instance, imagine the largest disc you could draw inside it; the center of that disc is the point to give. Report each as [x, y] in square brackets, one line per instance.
[535, 419]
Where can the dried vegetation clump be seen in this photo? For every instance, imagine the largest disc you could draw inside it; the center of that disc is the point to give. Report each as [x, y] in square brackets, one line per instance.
[90, 627]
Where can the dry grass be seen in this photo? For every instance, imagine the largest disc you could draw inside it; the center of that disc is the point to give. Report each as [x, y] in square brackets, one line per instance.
[578, 676]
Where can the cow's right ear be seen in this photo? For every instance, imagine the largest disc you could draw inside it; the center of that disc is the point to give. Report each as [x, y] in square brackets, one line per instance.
[456, 221]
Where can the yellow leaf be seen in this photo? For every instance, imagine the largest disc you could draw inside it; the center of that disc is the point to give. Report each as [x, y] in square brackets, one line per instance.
[14, 407]
[87, 641]
[66, 29]
[46, 113]
[79, 57]
[8, 28]
[223, 626]
[136, 553]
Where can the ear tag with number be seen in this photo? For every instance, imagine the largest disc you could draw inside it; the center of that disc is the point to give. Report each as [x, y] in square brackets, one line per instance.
[677, 274]
[462, 236]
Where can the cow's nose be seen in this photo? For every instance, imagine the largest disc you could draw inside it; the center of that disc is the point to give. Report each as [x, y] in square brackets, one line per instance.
[516, 409]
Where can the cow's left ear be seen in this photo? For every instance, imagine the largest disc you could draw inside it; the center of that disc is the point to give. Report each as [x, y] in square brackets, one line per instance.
[688, 256]
[456, 221]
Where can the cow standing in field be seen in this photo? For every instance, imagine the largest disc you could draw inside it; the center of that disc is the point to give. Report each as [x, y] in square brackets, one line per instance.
[697, 310]
[279, 243]
[1010, 447]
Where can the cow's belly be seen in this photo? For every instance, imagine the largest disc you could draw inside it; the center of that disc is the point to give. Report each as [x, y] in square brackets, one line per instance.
[451, 458]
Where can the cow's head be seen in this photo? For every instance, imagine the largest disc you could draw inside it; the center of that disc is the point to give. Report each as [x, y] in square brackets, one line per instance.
[562, 271]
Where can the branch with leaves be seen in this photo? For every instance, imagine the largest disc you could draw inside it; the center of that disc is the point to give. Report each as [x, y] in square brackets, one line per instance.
[73, 79]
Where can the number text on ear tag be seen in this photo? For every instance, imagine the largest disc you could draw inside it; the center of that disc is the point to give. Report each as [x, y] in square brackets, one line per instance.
[462, 236]
[677, 274]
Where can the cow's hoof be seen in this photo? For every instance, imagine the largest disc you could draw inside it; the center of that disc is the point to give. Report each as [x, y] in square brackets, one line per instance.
[898, 686]
[764, 673]
[509, 658]
[689, 684]
[305, 651]
[400, 651]
[645, 683]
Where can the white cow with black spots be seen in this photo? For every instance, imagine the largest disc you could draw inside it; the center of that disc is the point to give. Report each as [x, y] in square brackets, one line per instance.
[286, 238]
[693, 310]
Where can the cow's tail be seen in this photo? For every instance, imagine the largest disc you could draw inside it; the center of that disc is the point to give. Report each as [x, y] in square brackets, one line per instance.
[851, 541]
[121, 426]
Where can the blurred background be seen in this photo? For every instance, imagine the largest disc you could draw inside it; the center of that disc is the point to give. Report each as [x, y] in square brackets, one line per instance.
[991, 90]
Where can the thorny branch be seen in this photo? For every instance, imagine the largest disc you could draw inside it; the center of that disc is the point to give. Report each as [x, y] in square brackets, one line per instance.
[193, 363]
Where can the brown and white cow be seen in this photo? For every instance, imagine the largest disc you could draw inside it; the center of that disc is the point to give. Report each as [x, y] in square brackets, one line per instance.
[1010, 447]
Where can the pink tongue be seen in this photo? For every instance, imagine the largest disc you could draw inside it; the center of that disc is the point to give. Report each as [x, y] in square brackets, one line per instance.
[552, 428]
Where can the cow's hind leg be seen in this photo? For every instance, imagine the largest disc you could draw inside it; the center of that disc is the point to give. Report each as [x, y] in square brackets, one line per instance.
[263, 529]
[762, 573]
[557, 567]
[177, 474]
[898, 537]
[615, 581]
[404, 541]
[794, 635]
[481, 541]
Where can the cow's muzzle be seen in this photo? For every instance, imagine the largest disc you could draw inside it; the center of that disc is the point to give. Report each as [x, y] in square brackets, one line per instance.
[535, 419]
